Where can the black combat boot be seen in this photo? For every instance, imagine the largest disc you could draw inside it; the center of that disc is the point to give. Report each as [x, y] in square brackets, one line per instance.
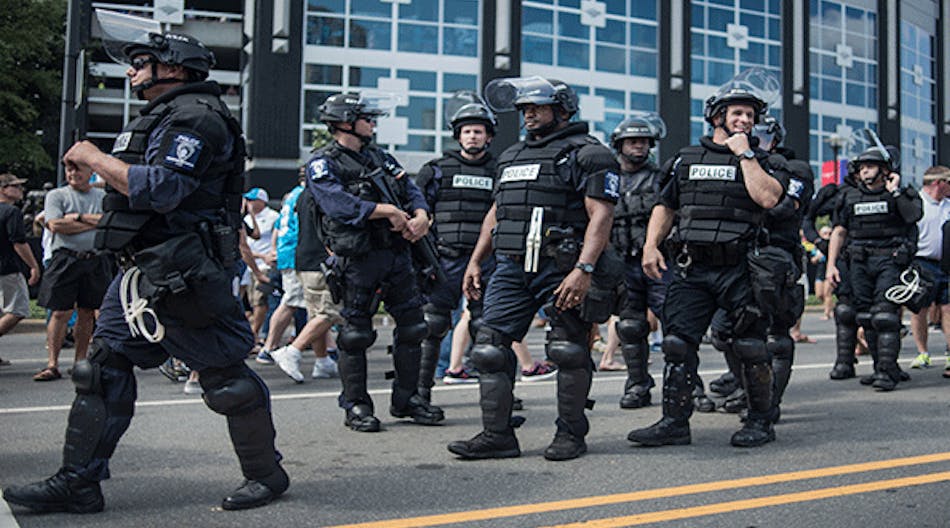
[757, 428]
[256, 493]
[487, 444]
[724, 385]
[421, 411]
[701, 402]
[673, 428]
[736, 402]
[754, 432]
[566, 445]
[636, 390]
[63, 492]
[359, 418]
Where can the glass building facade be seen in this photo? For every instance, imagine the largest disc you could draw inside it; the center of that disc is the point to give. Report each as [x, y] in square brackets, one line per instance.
[918, 100]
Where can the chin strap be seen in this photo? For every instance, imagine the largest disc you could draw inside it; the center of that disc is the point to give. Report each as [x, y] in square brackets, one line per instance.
[139, 89]
[636, 160]
[364, 140]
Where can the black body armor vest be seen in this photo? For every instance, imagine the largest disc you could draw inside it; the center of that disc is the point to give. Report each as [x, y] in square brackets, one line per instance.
[715, 207]
[464, 196]
[121, 225]
[536, 175]
[873, 216]
[353, 170]
[632, 213]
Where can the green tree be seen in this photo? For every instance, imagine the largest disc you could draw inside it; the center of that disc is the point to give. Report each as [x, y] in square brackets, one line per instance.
[31, 62]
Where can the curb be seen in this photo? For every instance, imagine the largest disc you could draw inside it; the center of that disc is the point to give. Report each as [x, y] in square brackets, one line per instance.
[29, 326]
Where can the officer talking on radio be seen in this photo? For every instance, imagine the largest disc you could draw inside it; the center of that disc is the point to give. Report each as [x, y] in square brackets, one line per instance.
[172, 212]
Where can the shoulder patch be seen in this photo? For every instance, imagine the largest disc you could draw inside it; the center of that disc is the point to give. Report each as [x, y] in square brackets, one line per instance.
[121, 142]
[795, 188]
[184, 151]
[612, 185]
[318, 169]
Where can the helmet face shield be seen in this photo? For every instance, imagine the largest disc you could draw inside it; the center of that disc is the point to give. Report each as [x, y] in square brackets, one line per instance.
[377, 103]
[120, 31]
[505, 95]
[640, 124]
[767, 131]
[466, 107]
[756, 87]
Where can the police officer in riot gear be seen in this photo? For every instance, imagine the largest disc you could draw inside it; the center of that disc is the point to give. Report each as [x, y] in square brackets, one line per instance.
[172, 210]
[458, 188]
[549, 223]
[632, 140]
[878, 219]
[370, 240]
[716, 193]
[782, 225]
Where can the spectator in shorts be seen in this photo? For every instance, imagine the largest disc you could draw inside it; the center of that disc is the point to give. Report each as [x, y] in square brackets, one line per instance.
[930, 250]
[823, 289]
[265, 218]
[14, 295]
[77, 276]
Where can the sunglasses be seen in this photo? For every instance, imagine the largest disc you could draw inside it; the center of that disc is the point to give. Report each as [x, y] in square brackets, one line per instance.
[368, 118]
[15, 185]
[141, 62]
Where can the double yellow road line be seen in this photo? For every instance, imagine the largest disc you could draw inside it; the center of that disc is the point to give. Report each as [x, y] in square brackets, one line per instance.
[690, 489]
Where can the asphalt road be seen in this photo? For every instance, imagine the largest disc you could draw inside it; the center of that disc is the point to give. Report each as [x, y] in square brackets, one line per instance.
[845, 455]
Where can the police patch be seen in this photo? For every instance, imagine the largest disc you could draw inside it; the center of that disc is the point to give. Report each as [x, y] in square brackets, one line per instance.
[520, 173]
[712, 172]
[121, 142]
[184, 151]
[318, 169]
[795, 188]
[612, 185]
[869, 208]
[465, 181]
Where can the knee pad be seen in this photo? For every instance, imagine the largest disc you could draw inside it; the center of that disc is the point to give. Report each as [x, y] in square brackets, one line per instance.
[438, 321]
[474, 325]
[780, 347]
[490, 358]
[886, 322]
[720, 341]
[568, 355]
[845, 315]
[410, 331]
[355, 339]
[231, 391]
[751, 350]
[87, 373]
[490, 336]
[675, 350]
[632, 330]
[864, 319]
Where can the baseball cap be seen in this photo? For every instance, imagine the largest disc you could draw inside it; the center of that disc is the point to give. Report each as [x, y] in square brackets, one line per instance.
[9, 179]
[257, 194]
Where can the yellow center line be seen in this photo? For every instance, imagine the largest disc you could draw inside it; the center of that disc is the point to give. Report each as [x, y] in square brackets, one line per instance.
[658, 493]
[761, 502]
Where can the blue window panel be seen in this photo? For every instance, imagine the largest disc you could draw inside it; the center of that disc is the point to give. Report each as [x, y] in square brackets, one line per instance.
[537, 50]
[728, 3]
[830, 10]
[611, 59]
[814, 87]
[812, 120]
[872, 73]
[458, 41]
[617, 7]
[830, 123]
[643, 63]
[425, 10]
[854, 20]
[719, 73]
[608, 125]
[569, 25]
[813, 9]
[775, 29]
[641, 101]
[581, 90]
[452, 82]
[697, 129]
[327, 6]
[535, 20]
[418, 38]
[755, 23]
[325, 31]
[645, 9]
[370, 8]
[872, 97]
[859, 44]
[719, 18]
[613, 32]
[697, 71]
[323, 74]
[775, 56]
[856, 72]
[813, 145]
[696, 107]
[418, 80]
[855, 94]
[367, 77]
[753, 56]
[418, 143]
[643, 36]
[312, 99]
[831, 90]
[775, 7]
[612, 98]
[697, 16]
[570, 3]
[870, 24]
[573, 54]
[855, 124]
[420, 111]
[753, 5]
[830, 68]
[370, 35]
[697, 44]
[718, 49]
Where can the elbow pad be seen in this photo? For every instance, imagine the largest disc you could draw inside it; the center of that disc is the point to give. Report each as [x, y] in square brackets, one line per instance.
[909, 205]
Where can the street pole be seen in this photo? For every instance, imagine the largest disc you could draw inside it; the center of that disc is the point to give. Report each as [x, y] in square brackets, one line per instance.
[67, 116]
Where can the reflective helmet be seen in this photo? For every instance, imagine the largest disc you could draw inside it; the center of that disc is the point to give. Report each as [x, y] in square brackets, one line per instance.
[512, 93]
[640, 125]
[755, 87]
[348, 107]
[769, 130]
[465, 108]
[875, 156]
[174, 49]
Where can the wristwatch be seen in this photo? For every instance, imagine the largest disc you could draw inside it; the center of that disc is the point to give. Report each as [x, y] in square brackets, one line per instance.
[748, 154]
[586, 267]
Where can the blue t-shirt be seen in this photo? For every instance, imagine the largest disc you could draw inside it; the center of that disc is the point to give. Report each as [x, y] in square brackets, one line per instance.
[287, 229]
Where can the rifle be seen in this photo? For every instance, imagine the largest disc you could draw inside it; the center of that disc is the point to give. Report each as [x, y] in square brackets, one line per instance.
[424, 251]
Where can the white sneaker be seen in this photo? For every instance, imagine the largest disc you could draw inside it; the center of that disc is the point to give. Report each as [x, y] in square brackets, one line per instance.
[288, 359]
[193, 387]
[325, 368]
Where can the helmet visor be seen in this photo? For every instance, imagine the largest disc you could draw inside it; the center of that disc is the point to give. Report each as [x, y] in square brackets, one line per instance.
[378, 103]
[505, 95]
[118, 30]
[654, 121]
[460, 100]
[755, 83]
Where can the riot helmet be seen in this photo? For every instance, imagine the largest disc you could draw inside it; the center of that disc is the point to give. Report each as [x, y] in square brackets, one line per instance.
[466, 107]
[640, 125]
[349, 107]
[866, 148]
[769, 131]
[504, 95]
[755, 87]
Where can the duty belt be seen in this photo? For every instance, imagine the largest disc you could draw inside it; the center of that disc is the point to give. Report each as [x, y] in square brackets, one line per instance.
[81, 255]
[709, 254]
[860, 252]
